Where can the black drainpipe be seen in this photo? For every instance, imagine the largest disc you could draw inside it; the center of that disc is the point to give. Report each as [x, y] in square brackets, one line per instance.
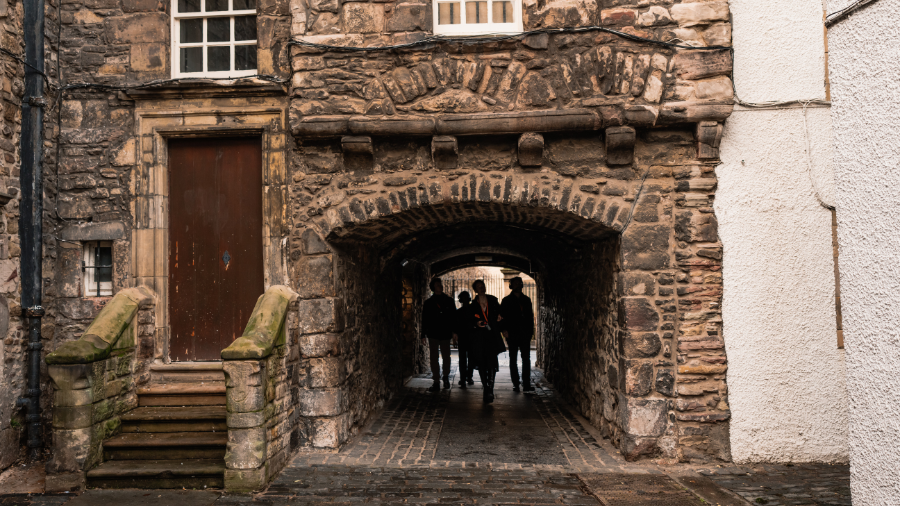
[31, 210]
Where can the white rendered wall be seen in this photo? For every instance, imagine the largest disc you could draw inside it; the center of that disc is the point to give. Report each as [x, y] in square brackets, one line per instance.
[865, 76]
[786, 377]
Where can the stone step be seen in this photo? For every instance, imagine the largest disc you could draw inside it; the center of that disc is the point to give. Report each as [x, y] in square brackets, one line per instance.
[165, 446]
[182, 394]
[175, 419]
[146, 474]
[192, 372]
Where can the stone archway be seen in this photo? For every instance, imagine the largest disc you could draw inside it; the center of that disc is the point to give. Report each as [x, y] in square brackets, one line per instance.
[629, 311]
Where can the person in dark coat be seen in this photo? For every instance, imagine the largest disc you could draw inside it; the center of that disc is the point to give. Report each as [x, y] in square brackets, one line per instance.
[518, 321]
[484, 318]
[464, 341]
[438, 323]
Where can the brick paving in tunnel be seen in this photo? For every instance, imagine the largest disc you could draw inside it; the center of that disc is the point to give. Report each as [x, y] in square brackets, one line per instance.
[454, 428]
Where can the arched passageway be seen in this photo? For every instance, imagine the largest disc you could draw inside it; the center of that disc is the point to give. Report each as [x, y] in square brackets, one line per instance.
[629, 290]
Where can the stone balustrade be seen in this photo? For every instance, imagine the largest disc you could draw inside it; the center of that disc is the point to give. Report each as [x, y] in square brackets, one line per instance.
[94, 379]
[262, 392]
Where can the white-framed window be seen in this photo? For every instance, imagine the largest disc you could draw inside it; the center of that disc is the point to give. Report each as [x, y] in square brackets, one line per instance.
[213, 38]
[477, 17]
[98, 269]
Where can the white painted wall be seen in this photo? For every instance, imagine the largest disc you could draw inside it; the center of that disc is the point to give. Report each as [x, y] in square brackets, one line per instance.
[786, 376]
[865, 74]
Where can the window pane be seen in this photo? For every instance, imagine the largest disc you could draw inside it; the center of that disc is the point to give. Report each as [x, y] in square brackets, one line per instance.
[192, 59]
[191, 30]
[216, 5]
[188, 5]
[245, 57]
[240, 5]
[218, 29]
[448, 13]
[218, 58]
[104, 254]
[476, 12]
[245, 28]
[503, 12]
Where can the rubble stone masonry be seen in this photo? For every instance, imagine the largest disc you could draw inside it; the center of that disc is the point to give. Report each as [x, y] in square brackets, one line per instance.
[586, 152]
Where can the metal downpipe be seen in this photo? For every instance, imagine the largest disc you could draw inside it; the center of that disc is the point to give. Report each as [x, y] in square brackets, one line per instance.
[31, 210]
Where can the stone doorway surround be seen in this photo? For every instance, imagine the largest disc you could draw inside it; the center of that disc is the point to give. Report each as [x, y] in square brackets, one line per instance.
[205, 109]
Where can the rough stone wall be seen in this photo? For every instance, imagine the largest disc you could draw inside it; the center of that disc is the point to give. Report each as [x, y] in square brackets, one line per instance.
[579, 331]
[12, 339]
[865, 52]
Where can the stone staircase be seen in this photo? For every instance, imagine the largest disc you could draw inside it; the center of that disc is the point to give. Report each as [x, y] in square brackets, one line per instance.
[175, 437]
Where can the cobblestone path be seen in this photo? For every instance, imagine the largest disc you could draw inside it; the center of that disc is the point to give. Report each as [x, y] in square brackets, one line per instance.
[455, 429]
[786, 485]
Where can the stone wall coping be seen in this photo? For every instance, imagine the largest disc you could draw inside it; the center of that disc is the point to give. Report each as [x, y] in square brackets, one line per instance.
[502, 123]
[108, 231]
[101, 336]
[209, 88]
[265, 329]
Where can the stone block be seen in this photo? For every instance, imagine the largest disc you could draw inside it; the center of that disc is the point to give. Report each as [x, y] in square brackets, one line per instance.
[640, 344]
[636, 283]
[709, 135]
[359, 17]
[67, 397]
[244, 385]
[315, 277]
[633, 448]
[318, 316]
[327, 372]
[246, 448]
[358, 153]
[665, 382]
[70, 450]
[620, 145]
[702, 64]
[319, 345]
[72, 417]
[330, 432]
[646, 247]
[312, 244]
[410, 17]
[699, 13]
[654, 16]
[322, 402]
[245, 480]
[618, 16]
[75, 207]
[638, 378]
[10, 446]
[444, 152]
[637, 314]
[642, 417]
[70, 376]
[531, 150]
[138, 28]
[148, 57]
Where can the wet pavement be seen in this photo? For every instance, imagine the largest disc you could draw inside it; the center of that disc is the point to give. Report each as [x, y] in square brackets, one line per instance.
[451, 448]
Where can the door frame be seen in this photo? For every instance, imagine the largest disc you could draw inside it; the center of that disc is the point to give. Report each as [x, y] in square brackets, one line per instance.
[160, 118]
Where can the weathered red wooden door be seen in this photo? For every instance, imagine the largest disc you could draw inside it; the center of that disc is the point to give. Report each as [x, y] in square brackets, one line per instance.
[215, 243]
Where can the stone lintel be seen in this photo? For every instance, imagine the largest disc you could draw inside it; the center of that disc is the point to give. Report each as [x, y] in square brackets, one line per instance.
[358, 152]
[108, 231]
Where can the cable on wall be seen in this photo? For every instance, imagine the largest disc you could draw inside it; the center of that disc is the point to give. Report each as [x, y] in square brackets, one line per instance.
[837, 16]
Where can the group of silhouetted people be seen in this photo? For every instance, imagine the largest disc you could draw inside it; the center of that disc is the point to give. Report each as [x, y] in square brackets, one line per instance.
[479, 328]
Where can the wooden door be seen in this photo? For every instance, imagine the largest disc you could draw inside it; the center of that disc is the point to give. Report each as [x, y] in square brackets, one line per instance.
[215, 243]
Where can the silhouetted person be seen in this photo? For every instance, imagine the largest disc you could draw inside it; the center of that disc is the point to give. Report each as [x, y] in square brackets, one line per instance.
[438, 323]
[484, 318]
[464, 340]
[518, 325]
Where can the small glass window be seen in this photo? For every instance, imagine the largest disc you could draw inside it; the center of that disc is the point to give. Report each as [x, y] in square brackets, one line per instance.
[214, 38]
[98, 269]
[477, 17]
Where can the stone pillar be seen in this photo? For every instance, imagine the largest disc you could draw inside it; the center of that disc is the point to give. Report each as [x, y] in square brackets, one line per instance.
[245, 398]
